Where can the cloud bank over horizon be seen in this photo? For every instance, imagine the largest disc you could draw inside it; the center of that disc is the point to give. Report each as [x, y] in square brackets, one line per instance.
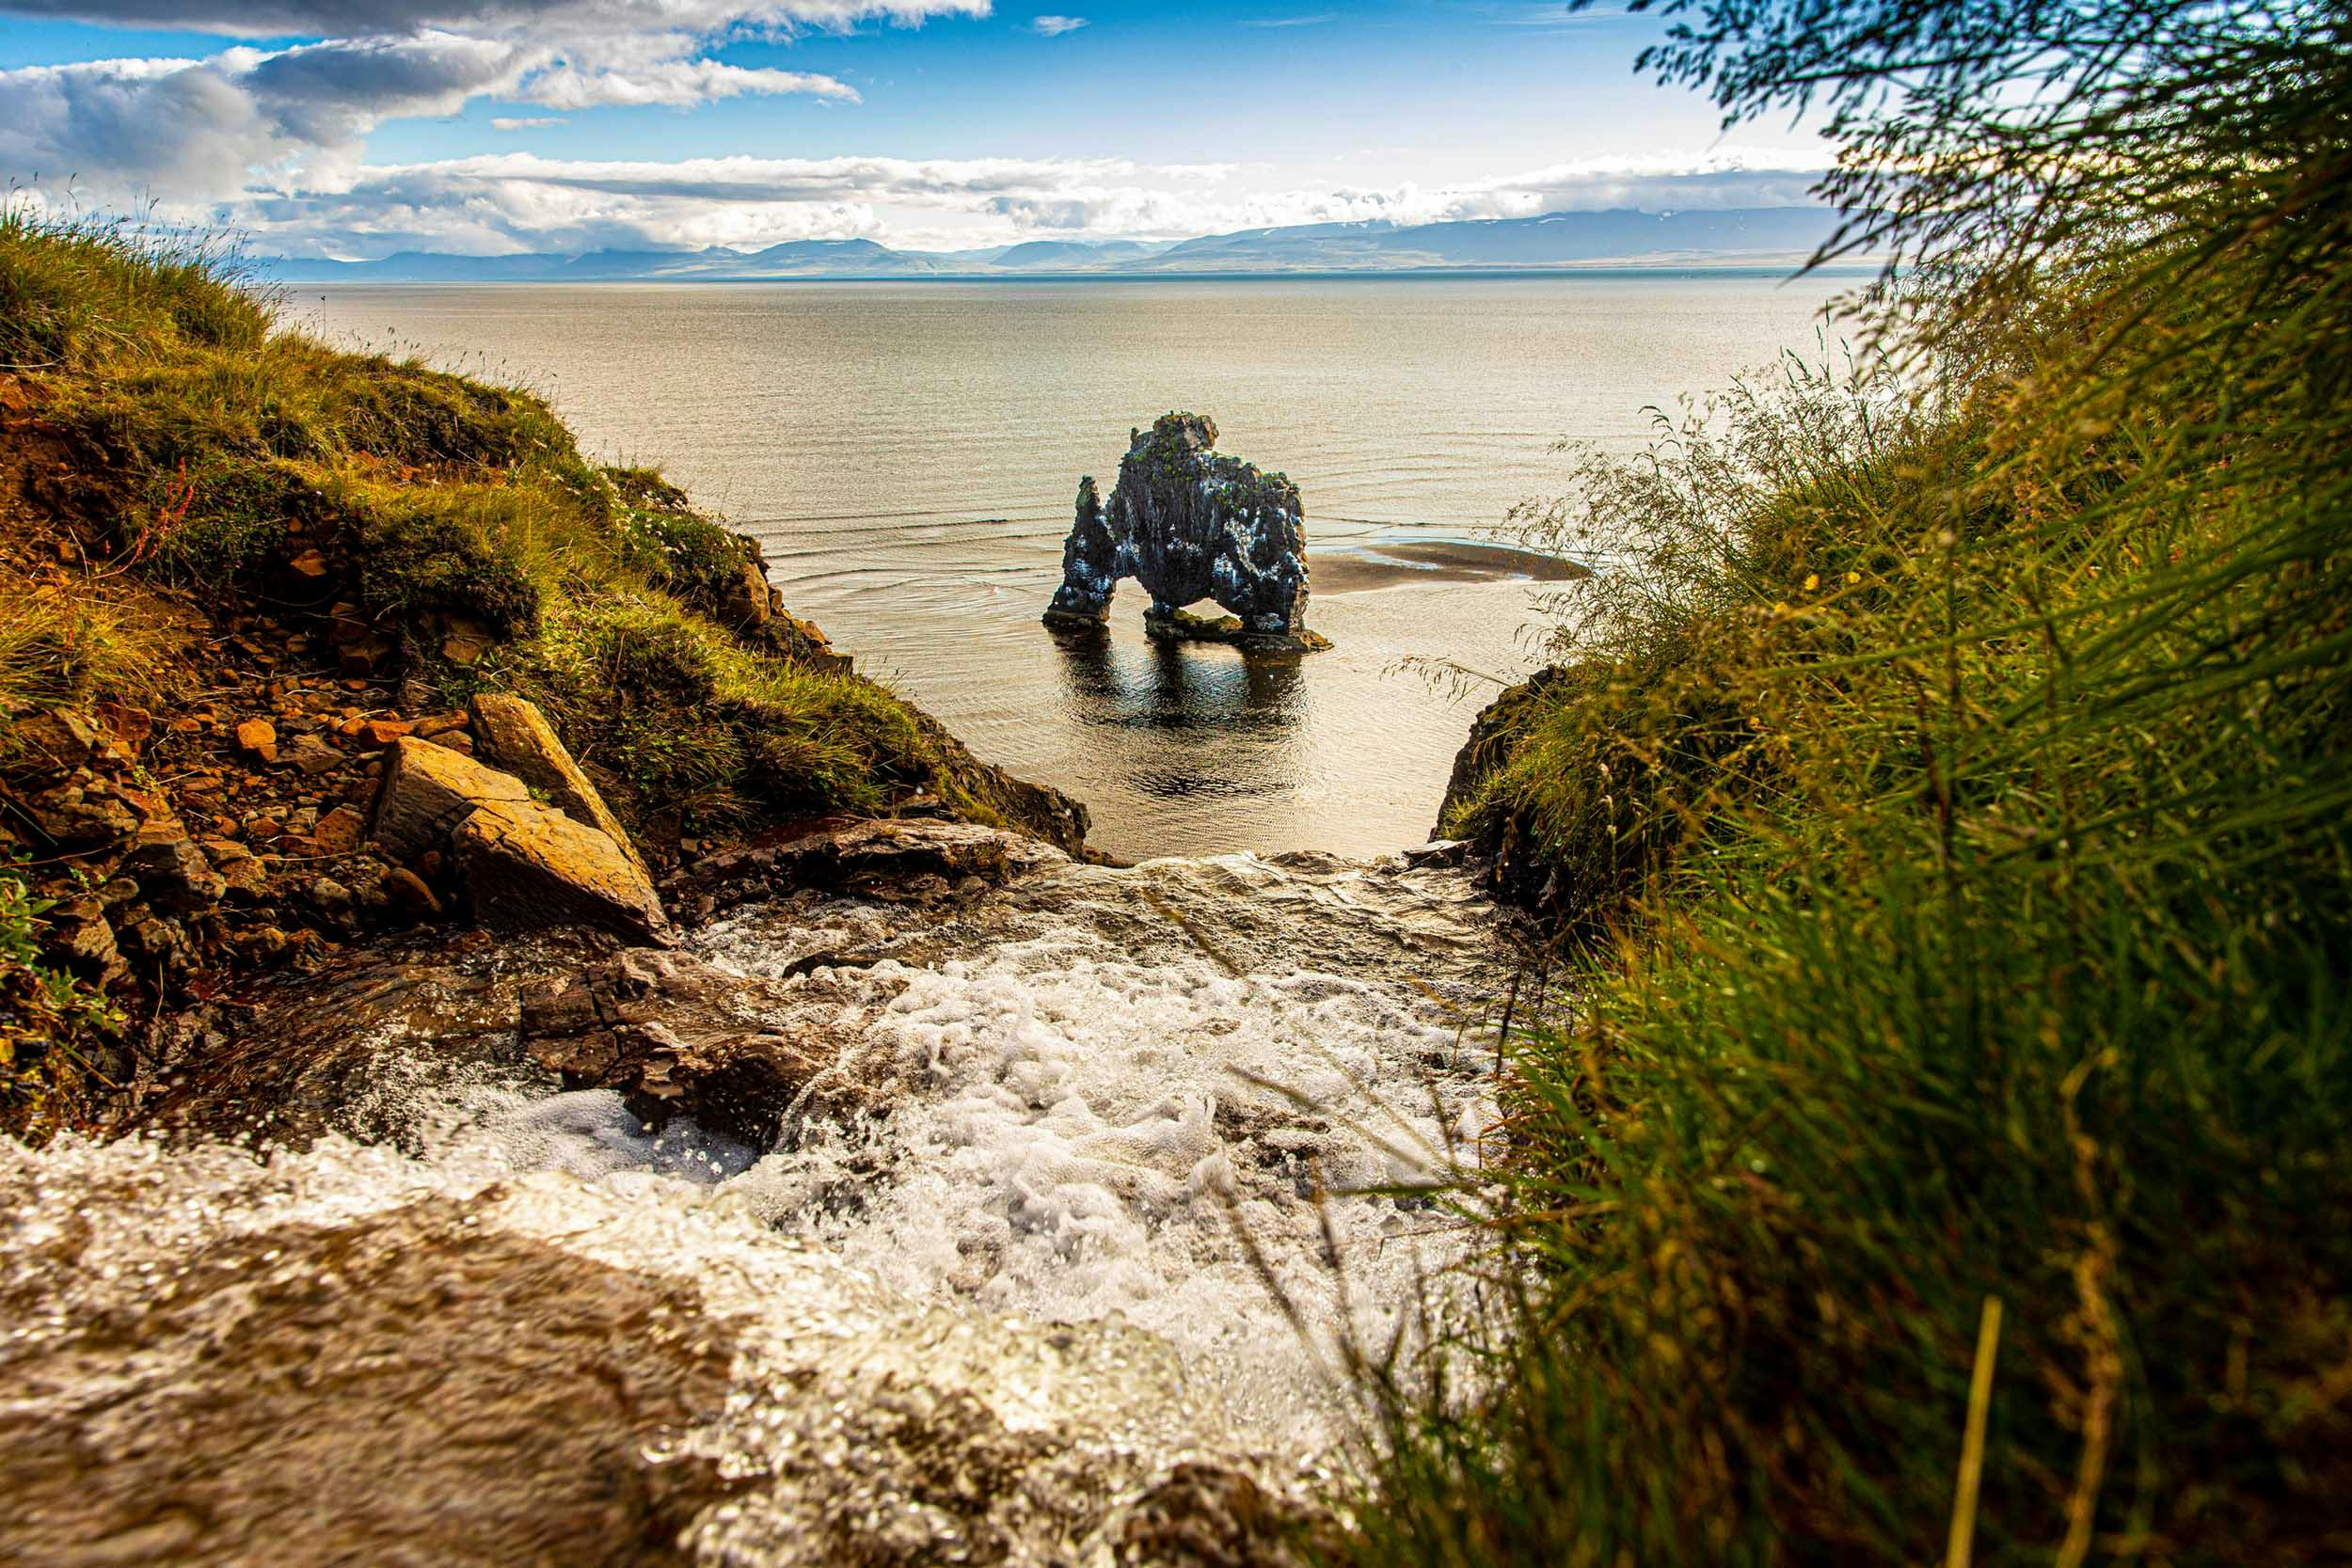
[284, 133]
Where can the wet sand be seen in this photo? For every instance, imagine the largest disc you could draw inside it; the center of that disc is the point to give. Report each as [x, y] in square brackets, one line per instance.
[1388, 563]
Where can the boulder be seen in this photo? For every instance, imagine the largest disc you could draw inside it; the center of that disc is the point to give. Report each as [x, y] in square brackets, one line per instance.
[240, 870]
[80, 937]
[675, 1035]
[73, 817]
[1189, 524]
[427, 791]
[525, 866]
[160, 944]
[515, 737]
[57, 737]
[312, 755]
[745, 599]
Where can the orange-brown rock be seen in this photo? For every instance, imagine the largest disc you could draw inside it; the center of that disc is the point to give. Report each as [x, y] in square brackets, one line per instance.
[523, 865]
[427, 791]
[407, 891]
[513, 735]
[339, 832]
[129, 726]
[526, 865]
[259, 736]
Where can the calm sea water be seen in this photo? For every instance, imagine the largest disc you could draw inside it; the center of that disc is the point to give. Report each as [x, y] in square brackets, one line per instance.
[909, 453]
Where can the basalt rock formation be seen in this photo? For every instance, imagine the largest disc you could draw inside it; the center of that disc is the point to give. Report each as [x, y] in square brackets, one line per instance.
[1190, 524]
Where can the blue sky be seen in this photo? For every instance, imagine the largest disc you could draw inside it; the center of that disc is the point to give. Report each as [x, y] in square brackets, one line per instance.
[357, 127]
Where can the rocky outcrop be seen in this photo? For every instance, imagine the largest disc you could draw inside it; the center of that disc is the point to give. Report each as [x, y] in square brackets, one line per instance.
[523, 865]
[1189, 524]
[1038, 810]
[1494, 734]
[1091, 565]
[754, 606]
[1573, 873]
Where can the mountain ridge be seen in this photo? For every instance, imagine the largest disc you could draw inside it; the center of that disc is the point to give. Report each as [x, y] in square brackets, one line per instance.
[1548, 242]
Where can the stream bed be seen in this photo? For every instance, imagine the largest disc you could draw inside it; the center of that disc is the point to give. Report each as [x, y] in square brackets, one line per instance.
[1052, 1262]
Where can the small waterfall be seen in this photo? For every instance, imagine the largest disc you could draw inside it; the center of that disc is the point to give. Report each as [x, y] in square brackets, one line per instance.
[1057, 1270]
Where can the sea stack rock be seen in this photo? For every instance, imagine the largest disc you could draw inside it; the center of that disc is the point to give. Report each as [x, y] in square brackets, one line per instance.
[1189, 524]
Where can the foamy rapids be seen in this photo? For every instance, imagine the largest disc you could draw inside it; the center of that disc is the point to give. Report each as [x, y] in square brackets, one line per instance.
[1155, 1146]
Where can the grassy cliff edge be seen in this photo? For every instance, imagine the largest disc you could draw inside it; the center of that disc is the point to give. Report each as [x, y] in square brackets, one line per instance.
[210, 522]
[1932, 1145]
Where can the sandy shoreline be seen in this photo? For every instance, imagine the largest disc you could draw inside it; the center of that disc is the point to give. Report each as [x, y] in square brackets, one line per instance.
[1356, 569]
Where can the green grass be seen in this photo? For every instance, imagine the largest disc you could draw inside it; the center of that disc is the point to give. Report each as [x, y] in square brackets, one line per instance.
[208, 444]
[1943, 812]
[74, 644]
[47, 1016]
[1907, 971]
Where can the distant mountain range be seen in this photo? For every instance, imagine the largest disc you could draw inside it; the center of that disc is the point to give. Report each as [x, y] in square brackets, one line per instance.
[1754, 236]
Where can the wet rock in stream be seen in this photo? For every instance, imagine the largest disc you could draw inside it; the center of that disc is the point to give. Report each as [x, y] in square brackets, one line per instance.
[416, 1389]
[676, 1035]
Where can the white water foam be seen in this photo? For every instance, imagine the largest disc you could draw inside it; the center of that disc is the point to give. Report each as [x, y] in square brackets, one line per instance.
[1196, 1106]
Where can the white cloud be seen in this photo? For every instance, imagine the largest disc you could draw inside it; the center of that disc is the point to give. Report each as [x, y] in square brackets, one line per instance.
[547, 18]
[510, 202]
[526, 123]
[676, 83]
[1055, 26]
[200, 130]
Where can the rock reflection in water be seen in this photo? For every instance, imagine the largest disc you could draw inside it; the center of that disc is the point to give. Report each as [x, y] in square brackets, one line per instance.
[1233, 719]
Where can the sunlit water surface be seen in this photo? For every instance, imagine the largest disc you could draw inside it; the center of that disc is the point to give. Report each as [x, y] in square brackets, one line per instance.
[909, 453]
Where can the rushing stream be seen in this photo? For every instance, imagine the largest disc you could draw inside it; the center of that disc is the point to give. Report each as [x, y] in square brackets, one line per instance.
[1050, 1264]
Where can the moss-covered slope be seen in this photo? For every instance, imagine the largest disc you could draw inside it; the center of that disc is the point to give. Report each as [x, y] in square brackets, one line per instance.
[237, 565]
[436, 529]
